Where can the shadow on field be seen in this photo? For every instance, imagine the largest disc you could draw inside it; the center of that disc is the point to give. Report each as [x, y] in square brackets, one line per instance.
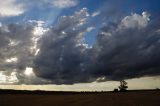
[52, 98]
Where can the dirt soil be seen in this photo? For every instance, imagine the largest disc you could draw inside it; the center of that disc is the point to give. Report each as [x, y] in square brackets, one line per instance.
[134, 98]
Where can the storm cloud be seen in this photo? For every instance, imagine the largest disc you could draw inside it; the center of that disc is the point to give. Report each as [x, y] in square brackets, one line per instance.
[126, 49]
[63, 52]
[126, 45]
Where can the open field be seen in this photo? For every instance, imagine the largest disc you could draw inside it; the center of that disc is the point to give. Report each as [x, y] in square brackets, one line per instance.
[129, 98]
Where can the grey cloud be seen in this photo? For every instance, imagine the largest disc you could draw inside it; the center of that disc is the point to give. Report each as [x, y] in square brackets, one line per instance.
[119, 52]
[124, 49]
[15, 46]
[16, 54]
[127, 53]
[61, 54]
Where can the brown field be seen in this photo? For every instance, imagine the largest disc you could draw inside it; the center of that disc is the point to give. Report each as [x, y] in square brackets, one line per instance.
[129, 98]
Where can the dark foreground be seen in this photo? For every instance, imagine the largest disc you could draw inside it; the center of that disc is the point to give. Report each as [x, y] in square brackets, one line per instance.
[38, 98]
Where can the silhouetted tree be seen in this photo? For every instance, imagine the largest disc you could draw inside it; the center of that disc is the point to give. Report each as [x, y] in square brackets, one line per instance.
[123, 86]
[115, 90]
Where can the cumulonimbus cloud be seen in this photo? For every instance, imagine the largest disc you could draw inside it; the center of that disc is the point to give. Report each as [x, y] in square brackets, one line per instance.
[124, 49]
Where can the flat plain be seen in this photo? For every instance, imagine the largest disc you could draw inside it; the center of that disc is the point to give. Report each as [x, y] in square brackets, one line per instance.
[129, 98]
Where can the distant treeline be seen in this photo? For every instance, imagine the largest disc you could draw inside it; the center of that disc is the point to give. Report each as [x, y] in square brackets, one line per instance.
[10, 91]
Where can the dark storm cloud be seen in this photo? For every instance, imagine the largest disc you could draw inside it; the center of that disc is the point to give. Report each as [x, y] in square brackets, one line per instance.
[123, 50]
[126, 47]
[16, 53]
[127, 53]
[62, 53]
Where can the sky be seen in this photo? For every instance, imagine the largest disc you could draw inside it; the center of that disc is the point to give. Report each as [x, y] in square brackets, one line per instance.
[79, 45]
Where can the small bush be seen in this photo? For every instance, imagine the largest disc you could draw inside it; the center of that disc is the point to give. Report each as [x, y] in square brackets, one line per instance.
[115, 90]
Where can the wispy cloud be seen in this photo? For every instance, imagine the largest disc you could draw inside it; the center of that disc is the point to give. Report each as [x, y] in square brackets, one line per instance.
[64, 3]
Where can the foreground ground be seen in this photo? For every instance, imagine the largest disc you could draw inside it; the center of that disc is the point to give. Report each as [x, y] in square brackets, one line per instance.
[130, 98]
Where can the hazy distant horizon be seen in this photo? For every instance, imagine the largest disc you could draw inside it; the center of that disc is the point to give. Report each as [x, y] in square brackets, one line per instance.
[133, 84]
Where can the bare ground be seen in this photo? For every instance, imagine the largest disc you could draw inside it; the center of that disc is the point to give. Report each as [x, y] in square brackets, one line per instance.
[130, 98]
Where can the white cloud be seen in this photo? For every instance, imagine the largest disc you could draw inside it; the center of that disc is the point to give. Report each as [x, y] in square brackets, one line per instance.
[64, 3]
[38, 32]
[10, 8]
[0, 24]
[16, 7]
[95, 14]
[28, 71]
[106, 34]
[39, 29]
[135, 20]
[89, 29]
[13, 43]
[13, 59]
[8, 79]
